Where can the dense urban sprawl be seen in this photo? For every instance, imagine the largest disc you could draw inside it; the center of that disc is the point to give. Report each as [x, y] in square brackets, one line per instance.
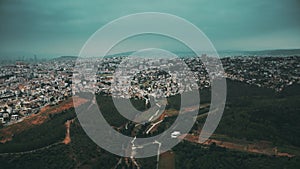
[26, 87]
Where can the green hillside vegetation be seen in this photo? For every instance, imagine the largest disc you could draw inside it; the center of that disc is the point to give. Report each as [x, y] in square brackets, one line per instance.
[194, 156]
[255, 113]
[50, 132]
[251, 113]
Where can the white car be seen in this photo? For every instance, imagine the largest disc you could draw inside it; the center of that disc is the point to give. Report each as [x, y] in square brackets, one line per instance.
[175, 134]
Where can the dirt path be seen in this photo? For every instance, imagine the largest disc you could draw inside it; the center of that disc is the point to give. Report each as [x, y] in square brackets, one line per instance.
[260, 147]
[32, 151]
[67, 139]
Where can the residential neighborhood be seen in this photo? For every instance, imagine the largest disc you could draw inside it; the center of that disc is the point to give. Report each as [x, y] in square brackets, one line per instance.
[27, 87]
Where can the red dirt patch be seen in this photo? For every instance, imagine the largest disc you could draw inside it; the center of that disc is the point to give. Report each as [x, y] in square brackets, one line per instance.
[67, 139]
[7, 132]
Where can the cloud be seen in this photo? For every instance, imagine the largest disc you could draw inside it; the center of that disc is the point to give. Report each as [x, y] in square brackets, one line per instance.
[62, 27]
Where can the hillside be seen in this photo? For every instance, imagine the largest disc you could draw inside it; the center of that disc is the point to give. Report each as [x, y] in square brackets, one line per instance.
[252, 114]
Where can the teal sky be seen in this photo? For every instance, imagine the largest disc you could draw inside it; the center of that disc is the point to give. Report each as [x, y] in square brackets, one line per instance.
[53, 28]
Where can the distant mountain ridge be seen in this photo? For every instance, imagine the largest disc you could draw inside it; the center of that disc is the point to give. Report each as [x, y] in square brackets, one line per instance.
[230, 53]
[66, 57]
[277, 52]
[221, 53]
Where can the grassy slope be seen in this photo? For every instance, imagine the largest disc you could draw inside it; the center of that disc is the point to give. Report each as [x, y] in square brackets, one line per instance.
[252, 113]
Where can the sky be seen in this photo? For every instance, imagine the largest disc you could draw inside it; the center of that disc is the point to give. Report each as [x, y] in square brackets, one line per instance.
[61, 27]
